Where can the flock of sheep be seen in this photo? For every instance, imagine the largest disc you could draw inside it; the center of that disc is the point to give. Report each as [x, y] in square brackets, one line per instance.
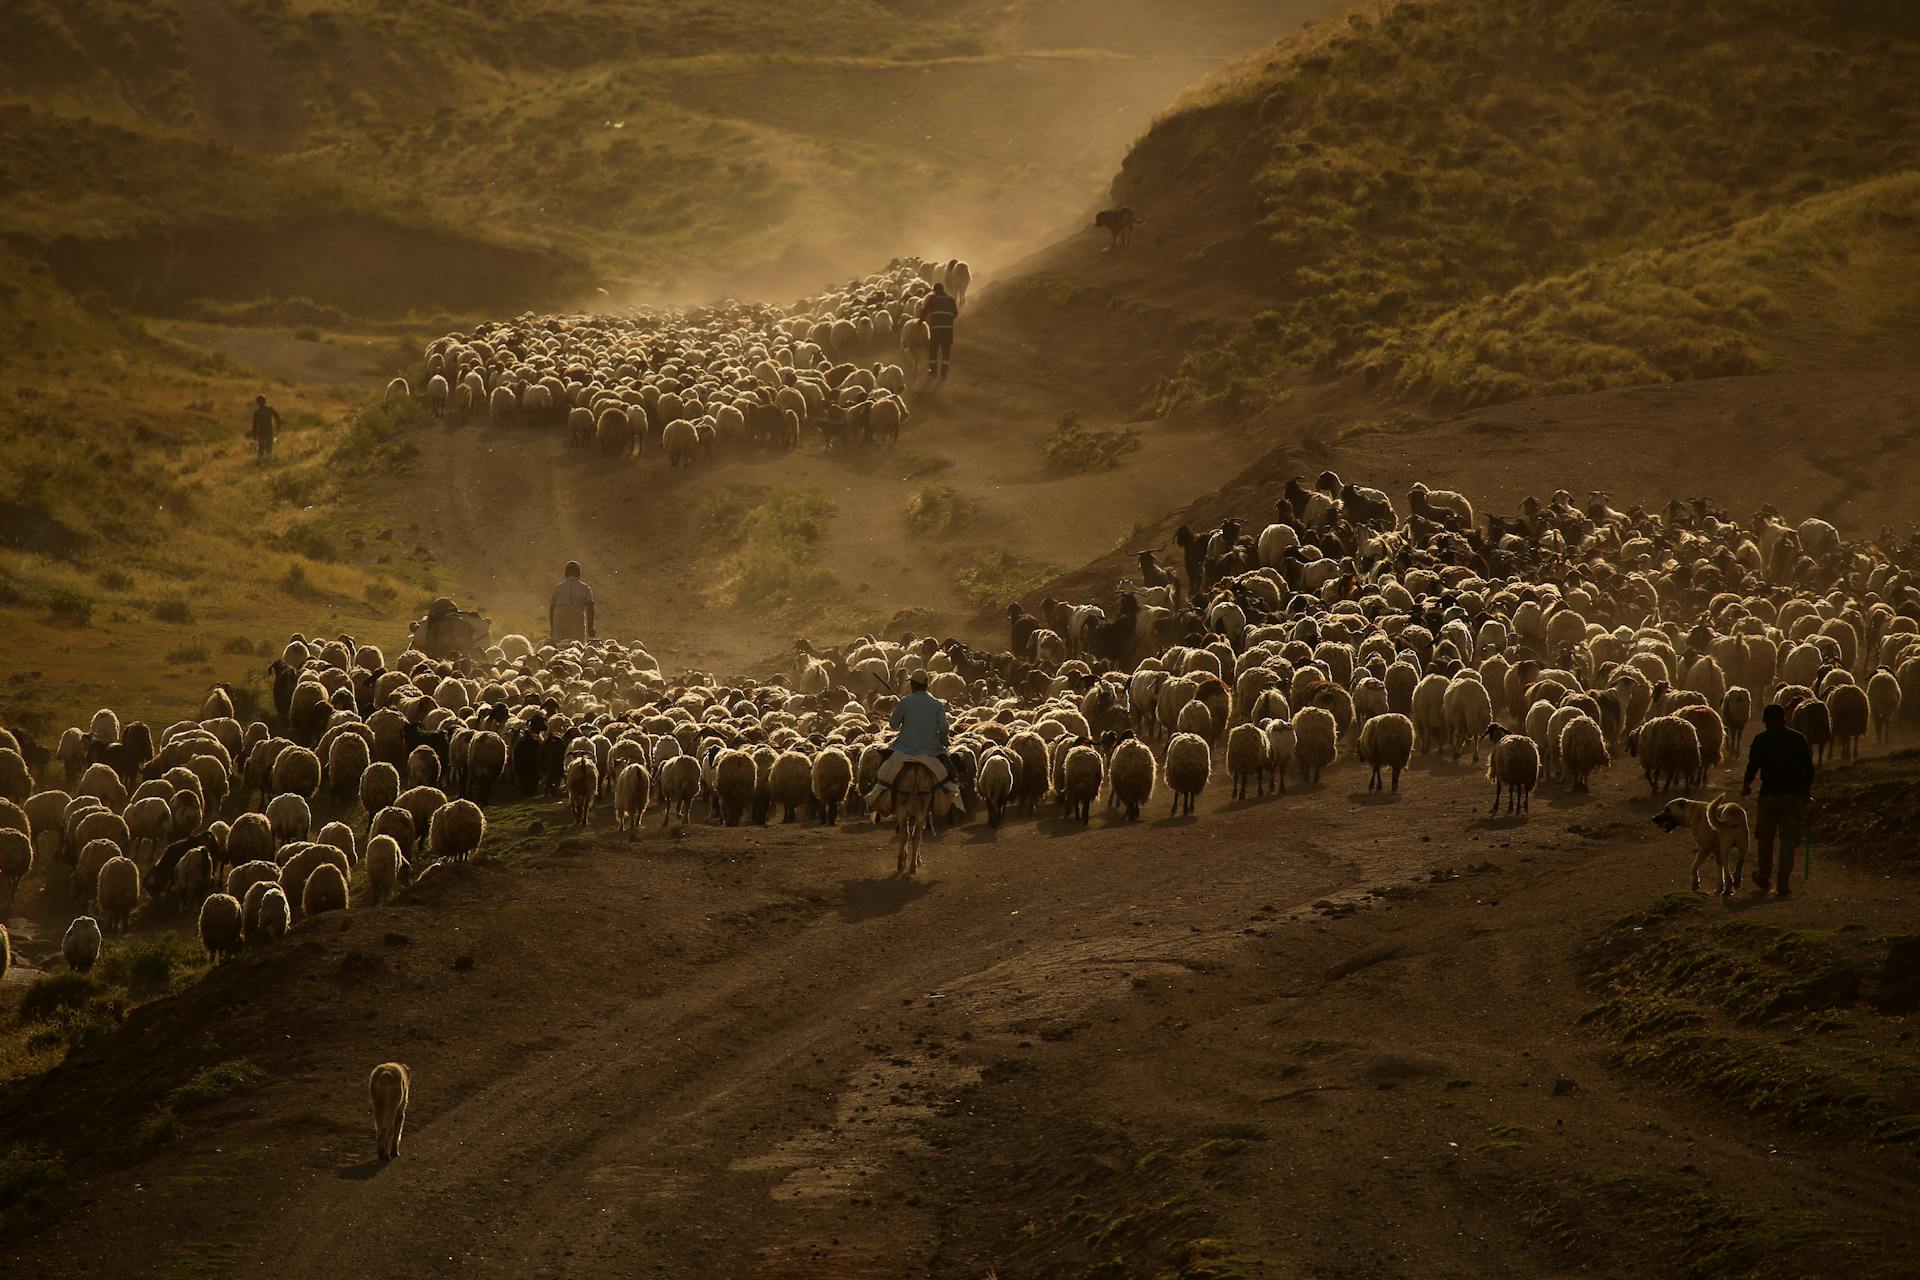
[1560, 637]
[682, 382]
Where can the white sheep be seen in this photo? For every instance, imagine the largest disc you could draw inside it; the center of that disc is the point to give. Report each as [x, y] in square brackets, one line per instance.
[996, 783]
[220, 927]
[386, 867]
[1247, 750]
[631, 794]
[1468, 712]
[1386, 742]
[1669, 752]
[1581, 749]
[1189, 762]
[1316, 741]
[80, 946]
[326, 890]
[1513, 763]
[831, 779]
[456, 830]
[1082, 773]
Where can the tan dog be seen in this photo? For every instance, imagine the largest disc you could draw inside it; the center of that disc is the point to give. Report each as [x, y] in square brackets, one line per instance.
[1719, 828]
[388, 1087]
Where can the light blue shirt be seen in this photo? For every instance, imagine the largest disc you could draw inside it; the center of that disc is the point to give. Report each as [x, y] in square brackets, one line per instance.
[921, 719]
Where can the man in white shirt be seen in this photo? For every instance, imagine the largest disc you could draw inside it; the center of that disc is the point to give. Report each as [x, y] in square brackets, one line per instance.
[570, 612]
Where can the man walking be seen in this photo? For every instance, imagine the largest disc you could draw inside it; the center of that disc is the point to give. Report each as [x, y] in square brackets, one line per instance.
[1783, 761]
[940, 310]
[570, 611]
[266, 420]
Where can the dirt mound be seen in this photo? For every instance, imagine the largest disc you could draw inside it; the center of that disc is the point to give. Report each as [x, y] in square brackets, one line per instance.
[1870, 813]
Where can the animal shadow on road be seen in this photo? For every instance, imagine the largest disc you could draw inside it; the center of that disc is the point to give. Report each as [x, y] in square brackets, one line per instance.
[361, 1172]
[871, 899]
[1501, 823]
[1374, 797]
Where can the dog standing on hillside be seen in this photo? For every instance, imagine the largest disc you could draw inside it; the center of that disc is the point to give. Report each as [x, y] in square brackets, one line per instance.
[1118, 223]
[1720, 830]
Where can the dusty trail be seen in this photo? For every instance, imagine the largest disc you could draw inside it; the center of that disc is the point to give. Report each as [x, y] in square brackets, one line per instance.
[506, 507]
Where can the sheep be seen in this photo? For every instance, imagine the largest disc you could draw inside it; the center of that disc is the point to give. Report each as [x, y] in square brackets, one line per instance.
[1429, 713]
[456, 830]
[791, 783]
[681, 443]
[1669, 752]
[388, 1087]
[274, 917]
[296, 771]
[80, 946]
[679, 779]
[1082, 774]
[423, 767]
[326, 890]
[1883, 694]
[1582, 749]
[631, 788]
[1386, 742]
[289, 818]
[348, 757]
[1513, 762]
[220, 927]
[248, 874]
[397, 389]
[1316, 742]
[486, 761]
[16, 780]
[832, 779]
[1282, 744]
[1468, 712]
[386, 866]
[117, 893]
[996, 784]
[379, 787]
[1736, 708]
[583, 786]
[1849, 712]
[16, 859]
[733, 785]
[437, 393]
[1246, 758]
[1189, 762]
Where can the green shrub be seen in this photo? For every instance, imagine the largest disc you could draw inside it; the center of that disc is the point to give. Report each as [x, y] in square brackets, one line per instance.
[192, 651]
[70, 608]
[1075, 447]
[295, 581]
[173, 607]
[114, 580]
[938, 509]
[995, 578]
[222, 1080]
[56, 992]
[26, 1171]
[772, 562]
[237, 644]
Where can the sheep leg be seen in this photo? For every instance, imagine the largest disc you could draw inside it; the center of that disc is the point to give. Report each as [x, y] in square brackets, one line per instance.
[1496, 798]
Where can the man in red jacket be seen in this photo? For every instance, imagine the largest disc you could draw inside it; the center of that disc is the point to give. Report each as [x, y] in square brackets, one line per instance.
[940, 310]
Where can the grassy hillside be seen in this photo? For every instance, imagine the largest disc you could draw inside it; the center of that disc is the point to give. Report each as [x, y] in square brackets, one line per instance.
[1438, 154]
[144, 552]
[454, 157]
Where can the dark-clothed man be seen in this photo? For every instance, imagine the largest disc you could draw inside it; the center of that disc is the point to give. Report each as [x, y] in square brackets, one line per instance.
[1783, 761]
[570, 611]
[940, 310]
[266, 421]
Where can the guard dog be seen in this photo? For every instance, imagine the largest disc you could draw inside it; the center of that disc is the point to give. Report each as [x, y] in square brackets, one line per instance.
[1719, 828]
[1118, 223]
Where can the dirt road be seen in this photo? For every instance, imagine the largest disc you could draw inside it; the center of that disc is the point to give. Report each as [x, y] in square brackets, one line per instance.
[1289, 1025]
